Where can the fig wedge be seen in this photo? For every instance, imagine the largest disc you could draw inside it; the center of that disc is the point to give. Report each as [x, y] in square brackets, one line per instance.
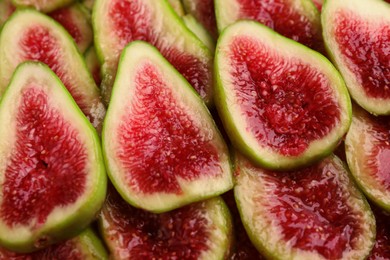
[161, 146]
[357, 36]
[313, 213]
[282, 104]
[52, 176]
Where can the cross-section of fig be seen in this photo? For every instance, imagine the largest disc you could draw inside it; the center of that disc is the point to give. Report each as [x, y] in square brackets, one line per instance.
[367, 148]
[118, 22]
[296, 19]
[282, 104]
[86, 246]
[52, 176]
[357, 36]
[30, 35]
[313, 213]
[202, 230]
[42, 5]
[161, 145]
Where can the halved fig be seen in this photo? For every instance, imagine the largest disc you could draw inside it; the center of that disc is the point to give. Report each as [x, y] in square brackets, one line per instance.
[198, 29]
[30, 35]
[381, 249]
[367, 148]
[313, 213]
[6, 9]
[204, 12]
[357, 36]
[295, 19]
[282, 104]
[118, 22]
[52, 176]
[44, 6]
[93, 64]
[76, 20]
[86, 246]
[161, 146]
[201, 230]
[177, 6]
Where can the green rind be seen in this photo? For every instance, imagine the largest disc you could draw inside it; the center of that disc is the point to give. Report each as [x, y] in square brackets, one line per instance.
[180, 31]
[380, 197]
[375, 106]
[201, 32]
[116, 180]
[231, 127]
[177, 6]
[44, 6]
[91, 245]
[261, 244]
[72, 225]
[91, 60]
[76, 70]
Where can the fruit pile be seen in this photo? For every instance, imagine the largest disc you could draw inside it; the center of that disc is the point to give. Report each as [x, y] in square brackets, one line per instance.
[194, 129]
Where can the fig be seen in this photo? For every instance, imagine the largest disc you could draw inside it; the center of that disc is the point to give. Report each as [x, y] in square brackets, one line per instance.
[6, 9]
[204, 12]
[177, 6]
[76, 20]
[295, 19]
[381, 249]
[312, 213]
[357, 36]
[44, 6]
[200, 230]
[93, 64]
[367, 150]
[161, 146]
[86, 246]
[282, 104]
[30, 35]
[198, 29]
[52, 176]
[118, 22]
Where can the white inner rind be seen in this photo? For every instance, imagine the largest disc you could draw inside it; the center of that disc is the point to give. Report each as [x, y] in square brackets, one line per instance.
[253, 193]
[376, 12]
[286, 49]
[134, 57]
[58, 99]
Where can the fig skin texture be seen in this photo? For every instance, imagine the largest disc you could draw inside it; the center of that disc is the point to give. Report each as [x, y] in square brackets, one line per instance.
[313, 213]
[161, 146]
[367, 151]
[202, 230]
[357, 39]
[44, 210]
[283, 105]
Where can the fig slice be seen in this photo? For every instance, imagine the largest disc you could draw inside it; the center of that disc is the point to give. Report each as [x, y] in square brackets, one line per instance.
[367, 150]
[52, 176]
[30, 35]
[357, 36]
[86, 246]
[44, 6]
[313, 213]
[201, 230]
[118, 22]
[161, 146]
[282, 104]
[295, 19]
[201, 32]
[77, 21]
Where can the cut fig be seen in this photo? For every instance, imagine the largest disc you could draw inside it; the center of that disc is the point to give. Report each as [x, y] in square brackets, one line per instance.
[357, 36]
[93, 64]
[198, 231]
[30, 35]
[161, 146]
[86, 246]
[381, 249]
[367, 150]
[6, 9]
[198, 29]
[118, 22]
[177, 6]
[282, 104]
[76, 20]
[295, 19]
[204, 12]
[313, 213]
[44, 6]
[52, 176]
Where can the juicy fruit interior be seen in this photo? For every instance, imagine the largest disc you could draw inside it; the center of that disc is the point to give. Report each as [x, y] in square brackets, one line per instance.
[364, 49]
[171, 144]
[287, 104]
[35, 173]
[181, 234]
